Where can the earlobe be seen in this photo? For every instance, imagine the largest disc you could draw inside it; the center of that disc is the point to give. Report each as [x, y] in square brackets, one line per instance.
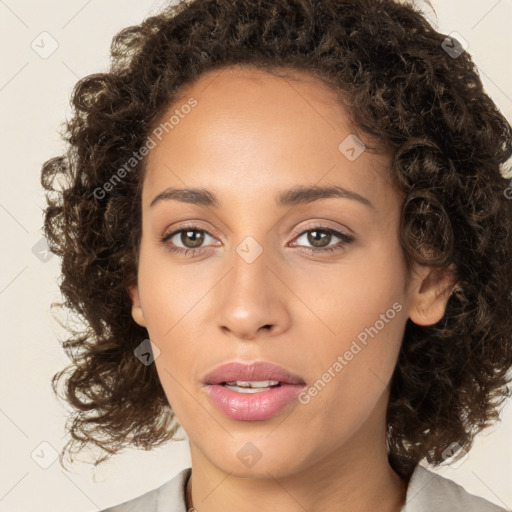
[137, 313]
[433, 288]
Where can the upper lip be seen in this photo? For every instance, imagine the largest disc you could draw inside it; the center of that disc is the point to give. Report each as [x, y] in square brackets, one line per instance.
[251, 371]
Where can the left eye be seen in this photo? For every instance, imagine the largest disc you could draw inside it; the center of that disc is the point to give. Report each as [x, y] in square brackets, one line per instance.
[319, 237]
[192, 238]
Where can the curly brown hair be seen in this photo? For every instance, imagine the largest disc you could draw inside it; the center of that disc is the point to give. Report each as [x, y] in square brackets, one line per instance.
[450, 147]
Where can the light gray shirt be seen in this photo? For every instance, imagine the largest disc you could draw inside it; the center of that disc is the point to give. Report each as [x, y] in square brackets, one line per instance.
[426, 492]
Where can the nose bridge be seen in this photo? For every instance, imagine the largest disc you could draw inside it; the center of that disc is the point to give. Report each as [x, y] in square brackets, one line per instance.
[250, 273]
[250, 296]
[251, 248]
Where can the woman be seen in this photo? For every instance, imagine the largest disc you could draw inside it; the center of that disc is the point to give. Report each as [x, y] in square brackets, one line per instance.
[287, 227]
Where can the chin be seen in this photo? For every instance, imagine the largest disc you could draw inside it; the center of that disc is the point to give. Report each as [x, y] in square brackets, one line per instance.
[252, 460]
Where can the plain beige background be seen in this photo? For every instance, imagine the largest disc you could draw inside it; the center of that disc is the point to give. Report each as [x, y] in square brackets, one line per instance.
[46, 47]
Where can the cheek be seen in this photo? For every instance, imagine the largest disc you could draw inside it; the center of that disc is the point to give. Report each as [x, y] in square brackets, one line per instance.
[172, 306]
[369, 358]
[168, 294]
[359, 320]
[346, 298]
[350, 371]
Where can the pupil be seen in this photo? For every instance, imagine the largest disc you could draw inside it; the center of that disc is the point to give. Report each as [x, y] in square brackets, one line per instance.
[313, 240]
[196, 242]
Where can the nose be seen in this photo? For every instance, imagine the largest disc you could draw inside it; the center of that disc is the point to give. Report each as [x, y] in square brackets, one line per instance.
[251, 301]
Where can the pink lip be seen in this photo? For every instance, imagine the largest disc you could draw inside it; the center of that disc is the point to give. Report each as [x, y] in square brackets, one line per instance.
[257, 370]
[252, 406]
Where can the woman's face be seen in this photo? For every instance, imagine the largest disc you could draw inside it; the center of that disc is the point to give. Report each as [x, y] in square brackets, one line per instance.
[251, 288]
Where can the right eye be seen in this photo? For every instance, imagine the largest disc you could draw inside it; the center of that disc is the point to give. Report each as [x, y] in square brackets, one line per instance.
[192, 237]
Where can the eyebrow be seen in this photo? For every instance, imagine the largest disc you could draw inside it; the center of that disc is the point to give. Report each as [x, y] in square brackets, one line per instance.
[295, 196]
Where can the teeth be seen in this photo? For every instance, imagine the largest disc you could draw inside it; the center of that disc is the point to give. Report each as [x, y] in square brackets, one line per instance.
[253, 383]
[246, 386]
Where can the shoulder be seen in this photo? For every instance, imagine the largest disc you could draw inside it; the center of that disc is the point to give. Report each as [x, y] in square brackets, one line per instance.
[429, 491]
[168, 497]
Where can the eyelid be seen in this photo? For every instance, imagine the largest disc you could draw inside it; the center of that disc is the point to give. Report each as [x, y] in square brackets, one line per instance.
[322, 225]
[191, 225]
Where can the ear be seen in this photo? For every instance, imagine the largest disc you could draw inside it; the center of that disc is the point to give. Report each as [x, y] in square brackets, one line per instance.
[431, 290]
[137, 313]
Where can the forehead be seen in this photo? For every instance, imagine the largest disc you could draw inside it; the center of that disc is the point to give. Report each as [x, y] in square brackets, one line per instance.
[278, 81]
[250, 130]
[245, 90]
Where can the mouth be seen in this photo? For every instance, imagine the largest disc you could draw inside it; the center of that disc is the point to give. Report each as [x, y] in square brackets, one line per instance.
[252, 391]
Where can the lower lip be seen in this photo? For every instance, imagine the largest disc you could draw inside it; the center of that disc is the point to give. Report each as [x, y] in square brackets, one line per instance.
[253, 406]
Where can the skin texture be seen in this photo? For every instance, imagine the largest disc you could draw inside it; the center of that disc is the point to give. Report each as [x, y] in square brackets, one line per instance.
[251, 136]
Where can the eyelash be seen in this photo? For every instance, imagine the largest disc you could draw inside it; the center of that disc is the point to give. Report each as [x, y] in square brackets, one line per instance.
[345, 238]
